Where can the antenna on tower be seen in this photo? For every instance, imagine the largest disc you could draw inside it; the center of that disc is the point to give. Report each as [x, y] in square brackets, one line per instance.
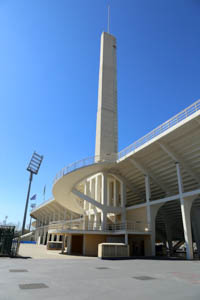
[108, 19]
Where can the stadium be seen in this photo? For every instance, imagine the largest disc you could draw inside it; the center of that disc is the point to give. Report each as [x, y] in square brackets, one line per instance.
[146, 196]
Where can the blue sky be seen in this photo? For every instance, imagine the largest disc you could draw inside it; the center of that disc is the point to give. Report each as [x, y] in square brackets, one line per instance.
[49, 61]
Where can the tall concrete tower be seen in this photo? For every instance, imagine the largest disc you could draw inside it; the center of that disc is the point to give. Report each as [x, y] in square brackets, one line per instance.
[107, 125]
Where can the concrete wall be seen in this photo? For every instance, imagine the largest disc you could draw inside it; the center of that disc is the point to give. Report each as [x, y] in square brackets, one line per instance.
[138, 217]
[91, 244]
[138, 214]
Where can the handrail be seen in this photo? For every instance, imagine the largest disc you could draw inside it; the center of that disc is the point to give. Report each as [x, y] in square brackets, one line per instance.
[80, 225]
[149, 136]
[41, 204]
[83, 163]
[162, 128]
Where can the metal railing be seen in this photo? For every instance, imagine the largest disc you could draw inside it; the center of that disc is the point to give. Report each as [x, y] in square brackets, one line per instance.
[81, 225]
[84, 163]
[41, 204]
[162, 128]
[154, 133]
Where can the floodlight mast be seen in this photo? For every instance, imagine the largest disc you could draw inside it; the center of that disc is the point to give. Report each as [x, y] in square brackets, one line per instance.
[33, 168]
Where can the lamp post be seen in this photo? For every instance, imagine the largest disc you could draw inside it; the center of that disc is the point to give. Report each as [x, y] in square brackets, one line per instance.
[33, 168]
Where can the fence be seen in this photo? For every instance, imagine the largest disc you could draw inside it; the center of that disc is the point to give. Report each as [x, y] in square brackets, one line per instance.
[6, 240]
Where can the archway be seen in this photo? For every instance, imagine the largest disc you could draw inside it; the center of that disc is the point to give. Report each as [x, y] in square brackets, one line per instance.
[169, 230]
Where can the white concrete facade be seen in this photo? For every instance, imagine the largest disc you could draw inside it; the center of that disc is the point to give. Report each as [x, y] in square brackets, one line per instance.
[107, 127]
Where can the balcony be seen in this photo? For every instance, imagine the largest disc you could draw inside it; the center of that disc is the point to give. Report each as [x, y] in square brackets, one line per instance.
[80, 225]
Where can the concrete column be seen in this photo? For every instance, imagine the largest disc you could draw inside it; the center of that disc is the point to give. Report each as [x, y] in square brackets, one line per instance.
[104, 219]
[84, 221]
[44, 237]
[84, 244]
[123, 201]
[104, 200]
[69, 242]
[185, 211]
[63, 243]
[98, 180]
[126, 239]
[90, 193]
[96, 188]
[108, 193]
[148, 196]
[104, 189]
[85, 193]
[95, 220]
[115, 193]
[52, 237]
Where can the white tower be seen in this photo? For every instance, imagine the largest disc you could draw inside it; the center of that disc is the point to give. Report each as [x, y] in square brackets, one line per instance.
[107, 127]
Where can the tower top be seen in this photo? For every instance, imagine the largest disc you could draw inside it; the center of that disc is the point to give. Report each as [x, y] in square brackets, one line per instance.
[108, 19]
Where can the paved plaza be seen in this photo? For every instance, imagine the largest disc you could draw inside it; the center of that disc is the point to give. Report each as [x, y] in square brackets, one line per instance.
[91, 278]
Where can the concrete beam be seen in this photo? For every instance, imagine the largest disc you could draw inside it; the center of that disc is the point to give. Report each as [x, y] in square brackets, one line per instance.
[129, 185]
[148, 172]
[87, 198]
[178, 158]
[166, 199]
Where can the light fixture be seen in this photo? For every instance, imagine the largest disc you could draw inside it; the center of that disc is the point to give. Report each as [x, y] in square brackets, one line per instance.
[33, 168]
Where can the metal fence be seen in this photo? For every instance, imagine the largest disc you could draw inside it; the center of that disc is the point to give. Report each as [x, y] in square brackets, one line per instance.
[6, 240]
[80, 224]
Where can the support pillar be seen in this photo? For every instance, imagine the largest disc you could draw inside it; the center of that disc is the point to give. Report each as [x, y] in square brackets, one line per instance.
[185, 211]
[123, 202]
[104, 200]
[69, 244]
[126, 239]
[115, 193]
[148, 197]
[63, 243]
[150, 223]
[84, 244]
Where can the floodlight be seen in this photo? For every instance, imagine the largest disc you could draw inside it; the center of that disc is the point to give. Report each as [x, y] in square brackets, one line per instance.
[33, 168]
[35, 163]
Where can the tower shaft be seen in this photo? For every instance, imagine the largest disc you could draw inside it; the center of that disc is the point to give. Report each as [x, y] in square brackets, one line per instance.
[107, 125]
